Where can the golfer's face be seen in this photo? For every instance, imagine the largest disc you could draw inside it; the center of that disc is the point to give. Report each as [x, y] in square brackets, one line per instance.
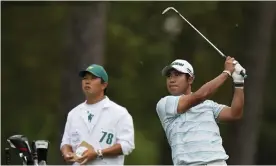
[91, 85]
[177, 82]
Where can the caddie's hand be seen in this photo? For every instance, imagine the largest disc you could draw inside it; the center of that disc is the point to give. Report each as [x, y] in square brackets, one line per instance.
[229, 64]
[237, 77]
[87, 155]
[68, 157]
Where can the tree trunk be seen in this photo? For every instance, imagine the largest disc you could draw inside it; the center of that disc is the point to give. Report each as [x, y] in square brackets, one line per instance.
[85, 46]
[86, 33]
[243, 135]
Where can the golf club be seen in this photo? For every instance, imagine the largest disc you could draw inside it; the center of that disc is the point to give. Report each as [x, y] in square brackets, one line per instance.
[172, 8]
[42, 151]
[34, 153]
[20, 143]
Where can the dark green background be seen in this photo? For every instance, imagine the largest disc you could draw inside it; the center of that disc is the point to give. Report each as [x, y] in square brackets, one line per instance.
[45, 44]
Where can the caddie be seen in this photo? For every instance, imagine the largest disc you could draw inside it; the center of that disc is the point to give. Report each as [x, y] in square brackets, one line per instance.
[99, 123]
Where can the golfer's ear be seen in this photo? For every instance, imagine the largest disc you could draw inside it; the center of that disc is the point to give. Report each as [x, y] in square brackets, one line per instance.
[191, 80]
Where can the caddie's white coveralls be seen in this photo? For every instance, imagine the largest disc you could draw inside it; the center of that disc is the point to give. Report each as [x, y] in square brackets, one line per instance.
[101, 125]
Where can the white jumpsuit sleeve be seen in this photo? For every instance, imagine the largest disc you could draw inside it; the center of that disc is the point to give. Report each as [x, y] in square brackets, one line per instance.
[125, 136]
[66, 134]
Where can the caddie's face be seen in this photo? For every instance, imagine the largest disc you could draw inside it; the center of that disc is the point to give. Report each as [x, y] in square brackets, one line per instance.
[177, 82]
[92, 85]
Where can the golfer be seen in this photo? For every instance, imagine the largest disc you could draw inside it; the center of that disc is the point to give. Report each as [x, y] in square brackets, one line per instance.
[189, 119]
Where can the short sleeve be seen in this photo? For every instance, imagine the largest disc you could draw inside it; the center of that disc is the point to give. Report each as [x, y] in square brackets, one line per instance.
[217, 108]
[167, 106]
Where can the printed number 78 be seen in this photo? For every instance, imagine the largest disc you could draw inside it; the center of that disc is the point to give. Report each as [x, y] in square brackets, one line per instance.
[109, 137]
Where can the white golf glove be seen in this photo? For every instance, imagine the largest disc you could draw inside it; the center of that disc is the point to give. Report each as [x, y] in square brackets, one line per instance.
[237, 77]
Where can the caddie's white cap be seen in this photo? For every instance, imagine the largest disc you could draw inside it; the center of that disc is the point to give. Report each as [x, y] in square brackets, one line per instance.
[180, 65]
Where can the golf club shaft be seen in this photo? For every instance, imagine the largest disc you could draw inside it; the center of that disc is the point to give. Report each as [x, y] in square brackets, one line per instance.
[167, 9]
[8, 156]
[34, 153]
[194, 29]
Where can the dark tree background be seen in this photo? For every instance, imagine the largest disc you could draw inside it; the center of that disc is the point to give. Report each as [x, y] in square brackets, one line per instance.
[45, 44]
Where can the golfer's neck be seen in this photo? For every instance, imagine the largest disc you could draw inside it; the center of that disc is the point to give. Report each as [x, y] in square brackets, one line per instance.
[94, 99]
[188, 91]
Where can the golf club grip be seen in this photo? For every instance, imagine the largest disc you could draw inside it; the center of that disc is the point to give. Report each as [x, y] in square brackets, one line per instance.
[243, 74]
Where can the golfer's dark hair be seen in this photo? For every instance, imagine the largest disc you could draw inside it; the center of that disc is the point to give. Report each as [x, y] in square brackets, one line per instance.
[105, 90]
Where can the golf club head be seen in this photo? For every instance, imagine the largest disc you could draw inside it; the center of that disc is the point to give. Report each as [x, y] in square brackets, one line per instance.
[42, 150]
[21, 143]
[169, 8]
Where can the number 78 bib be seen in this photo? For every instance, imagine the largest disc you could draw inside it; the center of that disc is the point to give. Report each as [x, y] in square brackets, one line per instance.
[107, 138]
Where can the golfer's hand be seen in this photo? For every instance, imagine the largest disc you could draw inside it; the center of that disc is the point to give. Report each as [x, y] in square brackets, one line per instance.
[88, 155]
[229, 64]
[68, 157]
[237, 77]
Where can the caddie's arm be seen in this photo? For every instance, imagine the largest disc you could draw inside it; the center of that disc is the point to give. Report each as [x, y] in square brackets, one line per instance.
[114, 150]
[203, 93]
[125, 138]
[235, 112]
[65, 147]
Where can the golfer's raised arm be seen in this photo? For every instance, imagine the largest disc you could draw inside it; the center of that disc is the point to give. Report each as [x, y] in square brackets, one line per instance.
[235, 112]
[203, 93]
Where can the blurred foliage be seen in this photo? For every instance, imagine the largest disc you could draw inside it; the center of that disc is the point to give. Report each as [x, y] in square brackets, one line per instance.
[137, 48]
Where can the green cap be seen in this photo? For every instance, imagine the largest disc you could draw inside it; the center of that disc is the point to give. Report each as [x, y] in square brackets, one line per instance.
[96, 70]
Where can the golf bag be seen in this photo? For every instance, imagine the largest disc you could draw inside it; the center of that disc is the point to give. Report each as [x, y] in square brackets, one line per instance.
[36, 154]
